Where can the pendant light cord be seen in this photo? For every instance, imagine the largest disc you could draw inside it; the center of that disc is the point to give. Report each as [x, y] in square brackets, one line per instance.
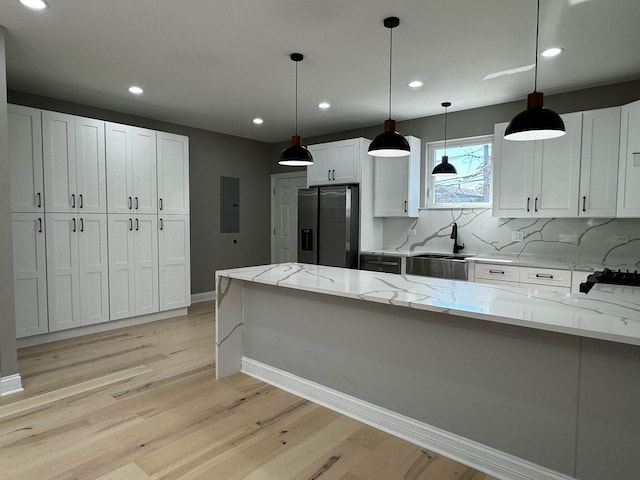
[535, 81]
[445, 131]
[296, 98]
[390, 65]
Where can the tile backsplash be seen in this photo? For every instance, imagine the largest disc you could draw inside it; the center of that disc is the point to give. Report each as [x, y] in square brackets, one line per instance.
[600, 240]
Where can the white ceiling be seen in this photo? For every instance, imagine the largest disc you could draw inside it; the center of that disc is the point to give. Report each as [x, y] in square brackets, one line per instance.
[218, 64]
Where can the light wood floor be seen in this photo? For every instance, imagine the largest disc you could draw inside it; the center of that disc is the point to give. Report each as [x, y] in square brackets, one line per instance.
[142, 403]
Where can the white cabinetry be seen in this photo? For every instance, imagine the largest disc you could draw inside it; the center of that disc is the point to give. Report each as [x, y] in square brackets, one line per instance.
[29, 274]
[629, 174]
[396, 191]
[77, 276]
[25, 155]
[174, 261]
[131, 169]
[133, 265]
[74, 163]
[173, 174]
[523, 277]
[336, 162]
[538, 179]
[599, 163]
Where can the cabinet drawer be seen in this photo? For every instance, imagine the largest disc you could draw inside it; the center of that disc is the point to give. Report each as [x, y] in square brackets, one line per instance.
[545, 276]
[488, 271]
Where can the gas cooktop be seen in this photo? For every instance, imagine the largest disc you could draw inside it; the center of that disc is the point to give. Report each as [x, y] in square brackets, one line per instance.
[611, 277]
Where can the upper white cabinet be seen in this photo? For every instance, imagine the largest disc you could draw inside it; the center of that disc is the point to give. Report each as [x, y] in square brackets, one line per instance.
[25, 155]
[74, 163]
[77, 270]
[599, 163]
[173, 174]
[629, 174]
[538, 179]
[336, 162]
[174, 261]
[29, 274]
[131, 169]
[396, 191]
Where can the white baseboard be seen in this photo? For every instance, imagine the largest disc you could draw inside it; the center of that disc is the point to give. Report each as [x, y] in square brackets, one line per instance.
[10, 384]
[203, 297]
[98, 328]
[476, 455]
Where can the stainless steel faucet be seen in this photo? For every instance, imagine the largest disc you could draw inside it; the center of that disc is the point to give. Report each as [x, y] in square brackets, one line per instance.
[454, 236]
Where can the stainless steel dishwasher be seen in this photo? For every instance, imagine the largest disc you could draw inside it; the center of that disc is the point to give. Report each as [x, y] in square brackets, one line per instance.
[381, 263]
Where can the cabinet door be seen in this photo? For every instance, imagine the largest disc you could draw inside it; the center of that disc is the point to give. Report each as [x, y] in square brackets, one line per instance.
[93, 267]
[63, 286]
[629, 174]
[146, 263]
[119, 168]
[144, 179]
[121, 267]
[599, 163]
[90, 166]
[557, 172]
[345, 166]
[174, 261]
[320, 172]
[29, 274]
[390, 191]
[512, 176]
[58, 136]
[25, 155]
[173, 174]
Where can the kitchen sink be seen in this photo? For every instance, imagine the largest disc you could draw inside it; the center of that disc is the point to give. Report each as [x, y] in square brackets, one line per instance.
[441, 265]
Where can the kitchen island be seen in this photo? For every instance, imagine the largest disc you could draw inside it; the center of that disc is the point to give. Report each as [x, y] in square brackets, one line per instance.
[519, 383]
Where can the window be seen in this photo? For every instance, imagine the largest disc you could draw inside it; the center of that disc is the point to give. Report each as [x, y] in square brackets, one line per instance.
[471, 187]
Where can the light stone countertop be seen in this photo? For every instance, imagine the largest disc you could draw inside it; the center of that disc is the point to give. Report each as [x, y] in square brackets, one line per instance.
[608, 312]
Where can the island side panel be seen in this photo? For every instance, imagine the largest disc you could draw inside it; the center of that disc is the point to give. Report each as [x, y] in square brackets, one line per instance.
[511, 388]
[229, 325]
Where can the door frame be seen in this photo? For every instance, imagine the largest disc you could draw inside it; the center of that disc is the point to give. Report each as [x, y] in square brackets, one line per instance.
[274, 178]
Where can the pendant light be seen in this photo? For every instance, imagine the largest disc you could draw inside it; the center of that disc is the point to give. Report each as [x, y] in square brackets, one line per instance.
[389, 143]
[296, 155]
[536, 122]
[444, 168]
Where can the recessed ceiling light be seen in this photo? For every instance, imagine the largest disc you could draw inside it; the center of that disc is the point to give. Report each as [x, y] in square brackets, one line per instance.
[258, 121]
[136, 90]
[35, 4]
[324, 105]
[552, 52]
[415, 84]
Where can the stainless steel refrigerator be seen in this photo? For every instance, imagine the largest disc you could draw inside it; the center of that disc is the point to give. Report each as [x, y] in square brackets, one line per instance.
[328, 225]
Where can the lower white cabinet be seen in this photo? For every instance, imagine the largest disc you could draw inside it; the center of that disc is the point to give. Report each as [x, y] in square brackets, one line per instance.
[523, 277]
[29, 274]
[133, 265]
[77, 270]
[174, 262]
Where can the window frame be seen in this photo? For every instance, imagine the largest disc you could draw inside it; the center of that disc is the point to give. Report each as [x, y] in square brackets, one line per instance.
[431, 147]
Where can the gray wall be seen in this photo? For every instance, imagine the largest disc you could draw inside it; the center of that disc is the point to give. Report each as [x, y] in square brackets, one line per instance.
[211, 155]
[480, 121]
[8, 361]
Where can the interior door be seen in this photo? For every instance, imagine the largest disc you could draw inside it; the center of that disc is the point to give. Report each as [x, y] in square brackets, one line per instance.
[284, 210]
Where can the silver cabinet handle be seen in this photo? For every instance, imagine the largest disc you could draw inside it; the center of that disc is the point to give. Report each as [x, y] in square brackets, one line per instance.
[161, 225]
[73, 200]
[130, 225]
[535, 208]
[543, 275]
[74, 224]
[39, 225]
[81, 201]
[528, 202]
[584, 203]
[499, 272]
[81, 224]
[137, 225]
[136, 203]
[334, 175]
[405, 206]
[161, 204]
[130, 203]
[39, 200]
[329, 175]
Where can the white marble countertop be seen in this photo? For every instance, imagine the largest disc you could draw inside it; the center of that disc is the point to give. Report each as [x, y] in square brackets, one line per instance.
[608, 312]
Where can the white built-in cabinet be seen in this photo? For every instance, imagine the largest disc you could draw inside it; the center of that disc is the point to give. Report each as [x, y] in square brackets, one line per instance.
[174, 261]
[74, 164]
[397, 183]
[29, 274]
[599, 163]
[131, 169]
[555, 279]
[173, 174]
[77, 270]
[539, 178]
[336, 162]
[25, 156]
[133, 265]
[629, 174]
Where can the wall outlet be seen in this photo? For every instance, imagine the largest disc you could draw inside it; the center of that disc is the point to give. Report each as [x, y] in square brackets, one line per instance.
[517, 236]
[620, 238]
[411, 233]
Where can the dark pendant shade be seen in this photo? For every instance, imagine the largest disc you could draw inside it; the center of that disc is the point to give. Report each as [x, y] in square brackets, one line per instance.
[444, 168]
[389, 143]
[535, 123]
[295, 155]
